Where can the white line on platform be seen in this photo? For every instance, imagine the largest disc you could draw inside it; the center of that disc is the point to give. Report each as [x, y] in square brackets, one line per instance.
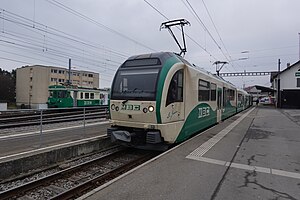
[246, 167]
[50, 147]
[51, 130]
[205, 147]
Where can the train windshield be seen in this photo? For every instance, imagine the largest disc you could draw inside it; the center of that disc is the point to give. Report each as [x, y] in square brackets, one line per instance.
[58, 94]
[135, 84]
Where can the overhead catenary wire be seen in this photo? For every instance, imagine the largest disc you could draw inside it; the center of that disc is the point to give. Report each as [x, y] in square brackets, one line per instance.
[78, 14]
[198, 19]
[188, 36]
[15, 18]
[22, 21]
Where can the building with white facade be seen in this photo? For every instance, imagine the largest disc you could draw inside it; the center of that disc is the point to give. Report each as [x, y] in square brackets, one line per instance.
[289, 86]
[32, 83]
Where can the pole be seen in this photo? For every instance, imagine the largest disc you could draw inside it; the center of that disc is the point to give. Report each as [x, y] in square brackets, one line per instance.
[41, 127]
[83, 122]
[278, 86]
[69, 81]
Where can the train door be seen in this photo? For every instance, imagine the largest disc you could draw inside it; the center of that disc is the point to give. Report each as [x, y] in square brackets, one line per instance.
[219, 104]
[75, 98]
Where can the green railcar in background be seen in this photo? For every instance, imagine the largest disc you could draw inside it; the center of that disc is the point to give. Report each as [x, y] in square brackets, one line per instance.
[71, 96]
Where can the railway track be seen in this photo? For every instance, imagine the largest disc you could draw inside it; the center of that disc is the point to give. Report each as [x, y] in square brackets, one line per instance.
[75, 181]
[51, 116]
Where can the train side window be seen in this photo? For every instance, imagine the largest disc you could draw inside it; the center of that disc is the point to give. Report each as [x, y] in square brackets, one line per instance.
[203, 90]
[224, 96]
[86, 95]
[175, 91]
[92, 95]
[240, 96]
[213, 92]
[231, 95]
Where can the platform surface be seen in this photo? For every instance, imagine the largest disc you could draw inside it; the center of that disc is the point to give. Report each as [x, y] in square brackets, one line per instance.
[253, 155]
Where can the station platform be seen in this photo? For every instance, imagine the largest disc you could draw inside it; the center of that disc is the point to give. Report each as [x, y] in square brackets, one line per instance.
[252, 155]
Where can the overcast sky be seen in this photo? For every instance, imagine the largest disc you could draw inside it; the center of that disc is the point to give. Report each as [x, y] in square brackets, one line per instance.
[99, 35]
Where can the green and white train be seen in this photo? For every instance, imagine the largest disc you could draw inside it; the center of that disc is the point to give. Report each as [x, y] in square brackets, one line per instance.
[160, 99]
[61, 96]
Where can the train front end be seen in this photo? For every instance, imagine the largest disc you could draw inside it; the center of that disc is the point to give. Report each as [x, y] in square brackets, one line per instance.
[135, 102]
[59, 97]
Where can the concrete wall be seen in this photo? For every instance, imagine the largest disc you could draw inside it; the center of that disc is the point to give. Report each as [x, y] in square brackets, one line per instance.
[27, 164]
[22, 86]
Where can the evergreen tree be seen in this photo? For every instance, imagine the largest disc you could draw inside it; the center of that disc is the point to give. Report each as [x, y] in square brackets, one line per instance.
[7, 86]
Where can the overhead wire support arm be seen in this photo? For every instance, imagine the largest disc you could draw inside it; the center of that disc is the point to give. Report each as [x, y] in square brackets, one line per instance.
[182, 23]
[218, 69]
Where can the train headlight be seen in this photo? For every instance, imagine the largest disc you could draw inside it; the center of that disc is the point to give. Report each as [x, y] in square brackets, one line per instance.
[151, 108]
[112, 106]
[145, 110]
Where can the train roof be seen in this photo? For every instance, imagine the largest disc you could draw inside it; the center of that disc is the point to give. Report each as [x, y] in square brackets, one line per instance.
[159, 58]
[63, 87]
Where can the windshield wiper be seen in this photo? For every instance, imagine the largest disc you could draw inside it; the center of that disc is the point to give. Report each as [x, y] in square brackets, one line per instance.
[123, 102]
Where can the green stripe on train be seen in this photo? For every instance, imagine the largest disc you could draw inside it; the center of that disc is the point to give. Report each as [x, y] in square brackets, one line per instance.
[228, 111]
[162, 77]
[88, 102]
[201, 117]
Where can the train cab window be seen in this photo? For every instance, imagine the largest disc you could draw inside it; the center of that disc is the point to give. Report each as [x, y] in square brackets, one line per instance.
[61, 94]
[81, 95]
[213, 92]
[203, 90]
[175, 91]
[51, 94]
[86, 95]
[92, 95]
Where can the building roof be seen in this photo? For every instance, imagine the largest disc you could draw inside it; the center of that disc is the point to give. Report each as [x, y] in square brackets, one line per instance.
[275, 74]
[259, 87]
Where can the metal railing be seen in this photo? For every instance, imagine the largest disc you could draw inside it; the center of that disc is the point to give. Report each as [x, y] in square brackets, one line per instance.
[20, 118]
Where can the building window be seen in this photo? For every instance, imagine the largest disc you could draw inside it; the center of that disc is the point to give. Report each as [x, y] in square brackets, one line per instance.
[298, 82]
[54, 71]
[203, 90]
[91, 75]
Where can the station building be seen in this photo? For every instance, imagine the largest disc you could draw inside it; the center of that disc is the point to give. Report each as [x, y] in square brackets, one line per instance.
[258, 91]
[32, 83]
[289, 86]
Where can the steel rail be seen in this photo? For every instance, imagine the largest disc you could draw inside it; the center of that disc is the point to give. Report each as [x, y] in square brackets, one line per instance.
[21, 190]
[99, 180]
